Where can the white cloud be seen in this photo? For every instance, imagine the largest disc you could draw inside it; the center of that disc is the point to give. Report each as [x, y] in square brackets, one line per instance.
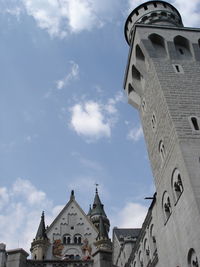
[20, 210]
[88, 120]
[72, 75]
[135, 134]
[131, 216]
[189, 11]
[95, 120]
[61, 17]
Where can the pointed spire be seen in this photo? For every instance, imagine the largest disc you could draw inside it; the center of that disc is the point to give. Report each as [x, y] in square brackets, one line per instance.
[97, 205]
[72, 197]
[41, 232]
[103, 234]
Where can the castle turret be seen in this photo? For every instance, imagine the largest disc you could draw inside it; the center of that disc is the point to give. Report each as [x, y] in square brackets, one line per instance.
[98, 212]
[40, 242]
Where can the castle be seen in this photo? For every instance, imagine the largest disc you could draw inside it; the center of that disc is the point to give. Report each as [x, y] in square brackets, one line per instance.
[162, 81]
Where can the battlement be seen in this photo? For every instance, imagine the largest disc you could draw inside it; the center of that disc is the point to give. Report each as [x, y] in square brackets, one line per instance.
[152, 12]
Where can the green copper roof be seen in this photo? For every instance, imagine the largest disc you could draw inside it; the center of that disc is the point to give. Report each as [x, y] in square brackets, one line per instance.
[97, 208]
[41, 232]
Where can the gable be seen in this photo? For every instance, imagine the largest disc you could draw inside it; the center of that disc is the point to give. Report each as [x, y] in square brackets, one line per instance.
[71, 228]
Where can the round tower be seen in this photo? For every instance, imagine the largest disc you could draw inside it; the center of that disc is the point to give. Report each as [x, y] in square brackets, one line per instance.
[152, 12]
[40, 242]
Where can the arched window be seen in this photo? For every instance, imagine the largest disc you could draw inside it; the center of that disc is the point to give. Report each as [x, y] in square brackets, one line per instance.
[130, 88]
[152, 241]
[136, 74]
[158, 43]
[77, 239]
[192, 258]
[146, 251]
[166, 206]
[66, 239]
[182, 46]
[139, 54]
[177, 185]
[162, 151]
[141, 259]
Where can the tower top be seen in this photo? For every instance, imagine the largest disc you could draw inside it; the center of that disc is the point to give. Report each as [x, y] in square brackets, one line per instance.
[152, 12]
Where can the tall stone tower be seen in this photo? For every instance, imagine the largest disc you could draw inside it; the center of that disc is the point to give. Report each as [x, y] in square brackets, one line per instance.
[162, 82]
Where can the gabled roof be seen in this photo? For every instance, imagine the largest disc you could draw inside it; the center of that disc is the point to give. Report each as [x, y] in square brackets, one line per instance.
[72, 200]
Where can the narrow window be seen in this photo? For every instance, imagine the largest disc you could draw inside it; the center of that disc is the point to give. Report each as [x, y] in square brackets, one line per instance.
[68, 240]
[162, 150]
[195, 123]
[75, 240]
[153, 121]
[79, 240]
[136, 12]
[155, 5]
[64, 240]
[178, 68]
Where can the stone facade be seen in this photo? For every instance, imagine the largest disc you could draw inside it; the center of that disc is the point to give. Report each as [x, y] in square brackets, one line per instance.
[163, 82]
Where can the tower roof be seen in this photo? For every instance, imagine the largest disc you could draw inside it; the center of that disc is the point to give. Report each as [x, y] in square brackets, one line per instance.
[41, 232]
[97, 208]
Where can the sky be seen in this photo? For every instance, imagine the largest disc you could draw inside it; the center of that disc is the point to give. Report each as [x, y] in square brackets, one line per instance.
[64, 118]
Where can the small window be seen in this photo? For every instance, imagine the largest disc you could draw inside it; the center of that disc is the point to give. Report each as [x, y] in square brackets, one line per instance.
[178, 68]
[195, 122]
[68, 240]
[162, 150]
[143, 105]
[177, 185]
[155, 5]
[192, 258]
[72, 227]
[166, 205]
[136, 12]
[153, 122]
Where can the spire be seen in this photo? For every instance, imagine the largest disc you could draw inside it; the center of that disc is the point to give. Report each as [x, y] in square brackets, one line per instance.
[97, 206]
[72, 197]
[103, 234]
[41, 232]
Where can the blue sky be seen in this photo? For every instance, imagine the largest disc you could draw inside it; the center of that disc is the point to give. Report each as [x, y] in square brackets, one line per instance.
[65, 121]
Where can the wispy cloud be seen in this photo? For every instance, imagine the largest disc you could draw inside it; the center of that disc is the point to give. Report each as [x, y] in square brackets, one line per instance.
[73, 74]
[131, 216]
[20, 209]
[63, 17]
[93, 119]
[135, 133]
